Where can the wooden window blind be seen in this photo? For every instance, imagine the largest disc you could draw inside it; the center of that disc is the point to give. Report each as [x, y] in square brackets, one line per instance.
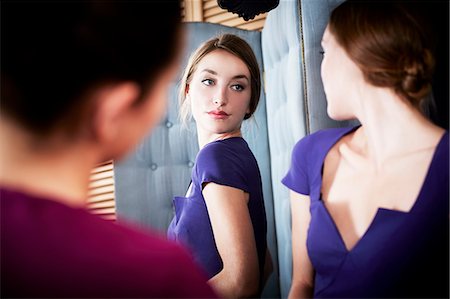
[101, 191]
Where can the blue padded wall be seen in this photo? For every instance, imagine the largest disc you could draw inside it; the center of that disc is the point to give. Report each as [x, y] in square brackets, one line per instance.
[286, 119]
[160, 168]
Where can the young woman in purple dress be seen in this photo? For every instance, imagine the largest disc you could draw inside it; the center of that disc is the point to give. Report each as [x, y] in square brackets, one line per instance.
[370, 203]
[222, 217]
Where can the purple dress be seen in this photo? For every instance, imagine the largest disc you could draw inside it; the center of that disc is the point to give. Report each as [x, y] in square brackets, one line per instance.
[402, 254]
[50, 250]
[226, 162]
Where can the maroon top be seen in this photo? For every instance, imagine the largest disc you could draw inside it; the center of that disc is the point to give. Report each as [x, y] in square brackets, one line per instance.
[51, 250]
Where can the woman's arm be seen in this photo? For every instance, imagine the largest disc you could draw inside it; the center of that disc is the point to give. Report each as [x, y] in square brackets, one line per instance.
[233, 233]
[303, 272]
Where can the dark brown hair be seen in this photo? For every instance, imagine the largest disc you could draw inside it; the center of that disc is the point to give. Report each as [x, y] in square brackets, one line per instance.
[389, 41]
[234, 45]
[54, 52]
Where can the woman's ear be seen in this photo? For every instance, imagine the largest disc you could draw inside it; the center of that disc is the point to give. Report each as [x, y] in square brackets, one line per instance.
[187, 96]
[113, 103]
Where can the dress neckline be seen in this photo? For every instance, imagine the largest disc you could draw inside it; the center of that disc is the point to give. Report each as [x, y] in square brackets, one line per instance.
[380, 210]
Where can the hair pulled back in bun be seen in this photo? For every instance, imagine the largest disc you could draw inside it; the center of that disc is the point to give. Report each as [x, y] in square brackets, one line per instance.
[390, 43]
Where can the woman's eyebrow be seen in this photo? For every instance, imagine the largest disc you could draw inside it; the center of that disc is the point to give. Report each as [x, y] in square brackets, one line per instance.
[209, 71]
[240, 76]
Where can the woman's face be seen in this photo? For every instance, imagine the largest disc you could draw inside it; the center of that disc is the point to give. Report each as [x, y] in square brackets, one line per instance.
[341, 79]
[219, 94]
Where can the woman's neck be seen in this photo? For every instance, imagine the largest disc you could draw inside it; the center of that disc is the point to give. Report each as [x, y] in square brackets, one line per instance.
[391, 127]
[60, 172]
[204, 138]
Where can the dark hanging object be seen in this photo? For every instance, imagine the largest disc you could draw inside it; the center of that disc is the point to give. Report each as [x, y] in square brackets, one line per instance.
[248, 9]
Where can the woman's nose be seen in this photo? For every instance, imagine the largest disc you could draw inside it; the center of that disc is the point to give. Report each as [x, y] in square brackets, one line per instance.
[218, 101]
[220, 97]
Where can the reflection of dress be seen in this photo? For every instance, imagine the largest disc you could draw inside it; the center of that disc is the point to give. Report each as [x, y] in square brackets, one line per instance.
[226, 162]
[49, 250]
[402, 254]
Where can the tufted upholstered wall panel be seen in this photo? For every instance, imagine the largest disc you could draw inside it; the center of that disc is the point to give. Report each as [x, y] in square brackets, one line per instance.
[160, 168]
[286, 119]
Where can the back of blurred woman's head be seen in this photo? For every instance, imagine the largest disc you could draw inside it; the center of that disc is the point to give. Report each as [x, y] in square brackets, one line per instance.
[390, 42]
[55, 52]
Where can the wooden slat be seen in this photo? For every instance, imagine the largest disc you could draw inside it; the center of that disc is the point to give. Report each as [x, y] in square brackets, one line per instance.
[240, 21]
[102, 168]
[193, 10]
[101, 183]
[101, 197]
[109, 162]
[234, 22]
[102, 175]
[106, 189]
[104, 211]
[221, 17]
[102, 205]
[207, 4]
[257, 25]
[213, 11]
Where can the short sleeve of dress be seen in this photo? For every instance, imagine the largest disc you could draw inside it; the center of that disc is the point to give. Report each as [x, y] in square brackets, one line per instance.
[219, 163]
[296, 178]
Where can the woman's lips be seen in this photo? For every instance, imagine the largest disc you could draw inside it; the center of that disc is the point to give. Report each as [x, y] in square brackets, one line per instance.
[218, 114]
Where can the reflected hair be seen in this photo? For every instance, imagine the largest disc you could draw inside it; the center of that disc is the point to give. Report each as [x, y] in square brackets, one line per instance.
[234, 45]
[389, 41]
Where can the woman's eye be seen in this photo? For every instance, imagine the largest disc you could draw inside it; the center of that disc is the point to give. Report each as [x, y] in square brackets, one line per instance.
[237, 87]
[208, 82]
[322, 52]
